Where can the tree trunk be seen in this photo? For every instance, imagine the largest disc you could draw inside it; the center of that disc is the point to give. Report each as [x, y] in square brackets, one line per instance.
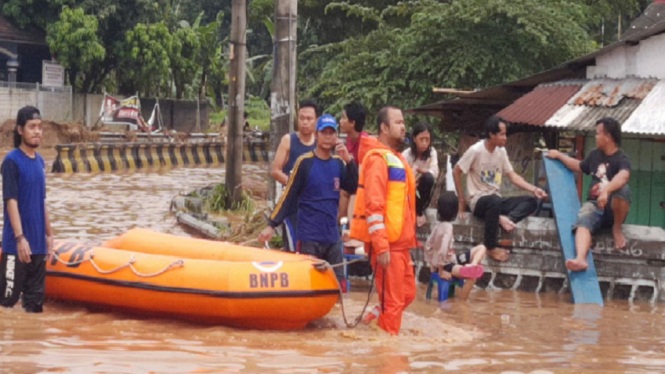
[282, 98]
[236, 102]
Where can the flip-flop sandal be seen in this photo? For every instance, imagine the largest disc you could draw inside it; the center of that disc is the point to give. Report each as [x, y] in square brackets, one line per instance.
[472, 272]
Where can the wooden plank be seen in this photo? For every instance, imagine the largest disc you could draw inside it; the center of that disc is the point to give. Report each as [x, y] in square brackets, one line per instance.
[583, 284]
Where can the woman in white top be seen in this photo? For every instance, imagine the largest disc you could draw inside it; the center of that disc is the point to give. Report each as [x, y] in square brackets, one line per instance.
[425, 164]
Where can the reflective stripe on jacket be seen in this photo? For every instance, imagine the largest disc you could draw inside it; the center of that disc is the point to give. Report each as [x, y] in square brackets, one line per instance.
[383, 207]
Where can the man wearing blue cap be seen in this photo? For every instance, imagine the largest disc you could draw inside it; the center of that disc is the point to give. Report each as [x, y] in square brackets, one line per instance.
[315, 183]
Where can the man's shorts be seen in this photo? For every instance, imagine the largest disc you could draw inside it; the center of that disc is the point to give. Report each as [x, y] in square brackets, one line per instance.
[462, 259]
[594, 218]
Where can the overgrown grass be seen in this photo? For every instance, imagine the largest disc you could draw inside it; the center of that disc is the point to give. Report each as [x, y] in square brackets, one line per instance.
[216, 202]
[257, 110]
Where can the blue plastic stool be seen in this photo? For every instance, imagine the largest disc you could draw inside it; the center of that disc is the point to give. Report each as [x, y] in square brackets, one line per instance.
[348, 257]
[446, 288]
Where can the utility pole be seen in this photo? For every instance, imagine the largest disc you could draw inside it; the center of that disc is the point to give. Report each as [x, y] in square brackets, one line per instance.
[236, 101]
[283, 95]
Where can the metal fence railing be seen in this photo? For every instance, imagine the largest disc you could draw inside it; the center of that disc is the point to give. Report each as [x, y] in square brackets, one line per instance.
[54, 103]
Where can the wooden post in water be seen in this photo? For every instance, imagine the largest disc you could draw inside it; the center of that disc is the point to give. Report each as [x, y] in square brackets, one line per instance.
[236, 101]
[283, 96]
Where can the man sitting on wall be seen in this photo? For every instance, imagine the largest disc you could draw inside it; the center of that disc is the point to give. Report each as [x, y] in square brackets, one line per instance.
[485, 163]
[609, 193]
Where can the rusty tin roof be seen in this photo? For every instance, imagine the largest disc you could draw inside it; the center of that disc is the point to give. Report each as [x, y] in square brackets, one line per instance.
[536, 107]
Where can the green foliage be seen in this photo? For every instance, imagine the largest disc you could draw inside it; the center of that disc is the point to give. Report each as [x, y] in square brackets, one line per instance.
[37, 14]
[258, 114]
[146, 59]
[216, 201]
[276, 242]
[182, 55]
[73, 40]
[356, 10]
[212, 66]
[394, 50]
[460, 43]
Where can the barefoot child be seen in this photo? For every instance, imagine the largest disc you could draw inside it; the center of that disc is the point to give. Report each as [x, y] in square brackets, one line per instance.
[439, 252]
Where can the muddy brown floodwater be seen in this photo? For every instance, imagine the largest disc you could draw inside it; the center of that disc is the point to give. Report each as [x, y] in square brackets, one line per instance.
[497, 331]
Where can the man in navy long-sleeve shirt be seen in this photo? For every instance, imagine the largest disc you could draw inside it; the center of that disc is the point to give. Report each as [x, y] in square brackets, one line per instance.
[315, 184]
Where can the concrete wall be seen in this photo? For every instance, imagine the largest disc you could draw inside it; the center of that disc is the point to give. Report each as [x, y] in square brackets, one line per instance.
[87, 107]
[63, 106]
[54, 104]
[179, 115]
[13, 99]
[642, 60]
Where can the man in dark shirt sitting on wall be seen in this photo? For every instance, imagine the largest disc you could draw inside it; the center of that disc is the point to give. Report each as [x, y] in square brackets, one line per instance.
[609, 193]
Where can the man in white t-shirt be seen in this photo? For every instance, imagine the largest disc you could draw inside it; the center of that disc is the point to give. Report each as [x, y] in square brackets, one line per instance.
[485, 163]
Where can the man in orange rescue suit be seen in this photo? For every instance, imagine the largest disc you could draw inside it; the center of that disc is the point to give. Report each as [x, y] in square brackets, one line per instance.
[384, 216]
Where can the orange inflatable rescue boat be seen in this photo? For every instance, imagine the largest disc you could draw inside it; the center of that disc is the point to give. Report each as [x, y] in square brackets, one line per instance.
[199, 280]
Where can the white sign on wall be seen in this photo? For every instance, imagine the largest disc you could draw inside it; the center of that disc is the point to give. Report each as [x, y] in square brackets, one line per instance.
[53, 75]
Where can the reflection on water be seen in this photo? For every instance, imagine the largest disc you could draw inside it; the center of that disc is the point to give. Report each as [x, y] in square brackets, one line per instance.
[497, 331]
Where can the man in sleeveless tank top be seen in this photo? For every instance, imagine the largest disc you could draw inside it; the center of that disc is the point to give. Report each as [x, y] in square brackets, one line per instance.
[290, 148]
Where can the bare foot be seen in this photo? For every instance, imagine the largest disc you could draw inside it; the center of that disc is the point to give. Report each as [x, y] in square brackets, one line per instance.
[421, 220]
[498, 254]
[576, 265]
[619, 239]
[506, 223]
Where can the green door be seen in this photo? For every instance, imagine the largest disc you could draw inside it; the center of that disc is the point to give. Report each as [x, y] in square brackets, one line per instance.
[658, 186]
[647, 180]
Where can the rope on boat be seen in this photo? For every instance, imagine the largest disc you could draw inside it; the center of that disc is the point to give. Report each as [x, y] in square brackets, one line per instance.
[360, 316]
[173, 265]
[323, 265]
[130, 264]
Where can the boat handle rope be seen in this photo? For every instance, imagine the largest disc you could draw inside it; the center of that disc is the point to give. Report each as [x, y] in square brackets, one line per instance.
[130, 264]
[323, 265]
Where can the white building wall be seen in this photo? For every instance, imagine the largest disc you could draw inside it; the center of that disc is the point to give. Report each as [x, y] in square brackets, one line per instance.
[651, 57]
[646, 60]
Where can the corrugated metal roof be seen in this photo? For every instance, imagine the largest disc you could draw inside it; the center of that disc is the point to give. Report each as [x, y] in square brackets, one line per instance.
[536, 107]
[586, 120]
[609, 92]
[649, 117]
[599, 98]
[583, 118]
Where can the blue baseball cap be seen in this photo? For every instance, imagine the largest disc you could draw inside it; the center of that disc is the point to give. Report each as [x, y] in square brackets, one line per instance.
[325, 121]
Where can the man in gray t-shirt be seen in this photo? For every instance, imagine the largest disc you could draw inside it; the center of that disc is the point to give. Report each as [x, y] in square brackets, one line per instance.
[485, 165]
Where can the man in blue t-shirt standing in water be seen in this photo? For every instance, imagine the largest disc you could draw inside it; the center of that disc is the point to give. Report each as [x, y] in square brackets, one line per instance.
[290, 148]
[27, 236]
[313, 194]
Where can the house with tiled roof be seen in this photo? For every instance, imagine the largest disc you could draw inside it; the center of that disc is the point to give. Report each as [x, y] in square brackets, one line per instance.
[21, 53]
